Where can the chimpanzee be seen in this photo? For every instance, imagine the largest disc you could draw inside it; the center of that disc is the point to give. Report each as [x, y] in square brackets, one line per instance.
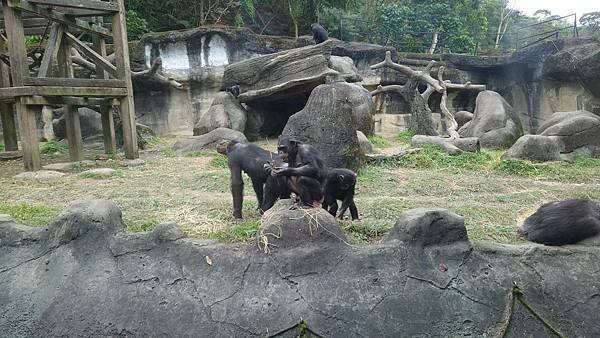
[340, 186]
[563, 222]
[251, 159]
[306, 172]
[319, 33]
[234, 90]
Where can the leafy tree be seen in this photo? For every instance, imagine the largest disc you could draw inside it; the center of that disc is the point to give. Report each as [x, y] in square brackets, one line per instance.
[136, 25]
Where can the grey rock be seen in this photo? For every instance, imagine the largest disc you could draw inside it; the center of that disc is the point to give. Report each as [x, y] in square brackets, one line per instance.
[534, 148]
[89, 120]
[225, 112]
[585, 151]
[10, 155]
[429, 227]
[133, 163]
[451, 146]
[67, 166]
[494, 122]
[327, 107]
[345, 66]
[39, 175]
[5, 218]
[209, 140]
[282, 228]
[365, 145]
[573, 129]
[166, 232]
[100, 172]
[462, 117]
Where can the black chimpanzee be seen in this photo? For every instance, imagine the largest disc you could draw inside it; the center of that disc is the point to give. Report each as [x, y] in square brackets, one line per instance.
[563, 222]
[251, 159]
[319, 33]
[340, 186]
[306, 172]
[234, 90]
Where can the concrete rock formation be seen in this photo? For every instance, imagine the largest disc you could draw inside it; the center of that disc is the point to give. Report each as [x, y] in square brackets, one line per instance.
[538, 148]
[573, 130]
[186, 145]
[225, 112]
[365, 145]
[84, 276]
[494, 122]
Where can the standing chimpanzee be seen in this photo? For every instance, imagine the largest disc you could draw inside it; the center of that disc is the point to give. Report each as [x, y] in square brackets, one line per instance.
[340, 185]
[563, 222]
[251, 159]
[319, 33]
[306, 172]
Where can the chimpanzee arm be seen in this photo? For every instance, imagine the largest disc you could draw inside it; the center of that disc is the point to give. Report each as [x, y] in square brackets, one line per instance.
[237, 189]
[307, 170]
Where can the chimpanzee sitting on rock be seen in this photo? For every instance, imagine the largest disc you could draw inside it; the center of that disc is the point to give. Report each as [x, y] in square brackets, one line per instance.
[563, 222]
[252, 159]
[319, 33]
[306, 172]
[340, 185]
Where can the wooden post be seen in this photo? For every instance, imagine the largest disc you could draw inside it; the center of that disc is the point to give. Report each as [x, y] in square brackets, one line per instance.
[123, 72]
[108, 126]
[19, 71]
[72, 125]
[7, 114]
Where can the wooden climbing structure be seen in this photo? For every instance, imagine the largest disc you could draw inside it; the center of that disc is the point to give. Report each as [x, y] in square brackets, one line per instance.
[66, 27]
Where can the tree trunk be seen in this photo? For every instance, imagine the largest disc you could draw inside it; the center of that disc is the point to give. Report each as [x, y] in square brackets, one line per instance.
[434, 42]
[293, 18]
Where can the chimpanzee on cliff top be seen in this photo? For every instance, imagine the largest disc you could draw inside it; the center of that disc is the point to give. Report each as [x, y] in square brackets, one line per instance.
[319, 33]
[563, 222]
[340, 185]
[306, 172]
[251, 159]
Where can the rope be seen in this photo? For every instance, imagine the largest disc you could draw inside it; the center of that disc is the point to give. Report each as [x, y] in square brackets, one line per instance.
[302, 330]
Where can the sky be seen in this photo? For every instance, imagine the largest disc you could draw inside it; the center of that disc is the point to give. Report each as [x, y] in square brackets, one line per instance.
[558, 7]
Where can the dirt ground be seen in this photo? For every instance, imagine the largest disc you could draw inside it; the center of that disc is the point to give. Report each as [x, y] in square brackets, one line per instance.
[492, 195]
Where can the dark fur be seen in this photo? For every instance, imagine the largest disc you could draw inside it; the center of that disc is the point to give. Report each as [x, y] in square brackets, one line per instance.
[319, 33]
[306, 172]
[340, 185]
[234, 90]
[562, 222]
[251, 159]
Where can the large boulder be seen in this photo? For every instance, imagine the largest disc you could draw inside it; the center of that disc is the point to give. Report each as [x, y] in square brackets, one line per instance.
[429, 227]
[207, 141]
[225, 112]
[327, 122]
[494, 122]
[365, 145]
[534, 148]
[573, 130]
[89, 120]
[361, 104]
[345, 66]
[462, 117]
[451, 146]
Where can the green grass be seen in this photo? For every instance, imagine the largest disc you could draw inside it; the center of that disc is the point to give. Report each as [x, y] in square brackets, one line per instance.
[1, 146]
[405, 136]
[364, 231]
[52, 147]
[143, 224]
[30, 214]
[217, 160]
[378, 141]
[432, 157]
[240, 232]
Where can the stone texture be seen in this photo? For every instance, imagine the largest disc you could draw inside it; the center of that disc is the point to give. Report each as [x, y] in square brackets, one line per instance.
[39, 175]
[84, 276]
[573, 129]
[534, 148]
[327, 122]
[451, 146]
[462, 117]
[494, 122]
[133, 163]
[100, 172]
[429, 227]
[225, 112]
[5, 218]
[89, 120]
[345, 66]
[207, 141]
[10, 155]
[365, 145]
[67, 166]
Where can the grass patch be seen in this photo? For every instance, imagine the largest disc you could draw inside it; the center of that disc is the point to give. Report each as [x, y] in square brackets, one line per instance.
[30, 214]
[431, 156]
[240, 232]
[218, 161]
[142, 224]
[202, 153]
[1, 146]
[378, 141]
[405, 136]
[52, 147]
[97, 176]
[364, 231]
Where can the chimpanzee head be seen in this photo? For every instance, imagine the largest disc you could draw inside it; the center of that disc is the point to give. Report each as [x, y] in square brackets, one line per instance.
[346, 181]
[287, 148]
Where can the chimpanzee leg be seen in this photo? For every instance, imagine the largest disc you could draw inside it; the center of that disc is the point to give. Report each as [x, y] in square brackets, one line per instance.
[237, 190]
[273, 191]
[258, 189]
[333, 208]
[353, 211]
[310, 191]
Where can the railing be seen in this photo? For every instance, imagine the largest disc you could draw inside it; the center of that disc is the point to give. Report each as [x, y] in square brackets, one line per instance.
[528, 40]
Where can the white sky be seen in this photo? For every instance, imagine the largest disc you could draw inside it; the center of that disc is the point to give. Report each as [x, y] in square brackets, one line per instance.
[557, 7]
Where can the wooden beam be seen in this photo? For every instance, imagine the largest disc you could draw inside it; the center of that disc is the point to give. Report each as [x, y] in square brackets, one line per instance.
[124, 73]
[37, 100]
[7, 114]
[108, 125]
[29, 22]
[8, 94]
[58, 17]
[54, 40]
[83, 4]
[16, 44]
[28, 134]
[73, 82]
[90, 53]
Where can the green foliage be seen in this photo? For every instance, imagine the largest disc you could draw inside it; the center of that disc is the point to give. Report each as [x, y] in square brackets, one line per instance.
[430, 156]
[405, 136]
[378, 141]
[1, 146]
[143, 224]
[136, 25]
[30, 214]
[52, 147]
[364, 231]
[240, 232]
[218, 161]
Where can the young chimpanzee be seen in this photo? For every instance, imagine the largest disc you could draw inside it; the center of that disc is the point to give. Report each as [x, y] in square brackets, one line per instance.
[563, 222]
[319, 33]
[251, 159]
[340, 186]
[306, 172]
